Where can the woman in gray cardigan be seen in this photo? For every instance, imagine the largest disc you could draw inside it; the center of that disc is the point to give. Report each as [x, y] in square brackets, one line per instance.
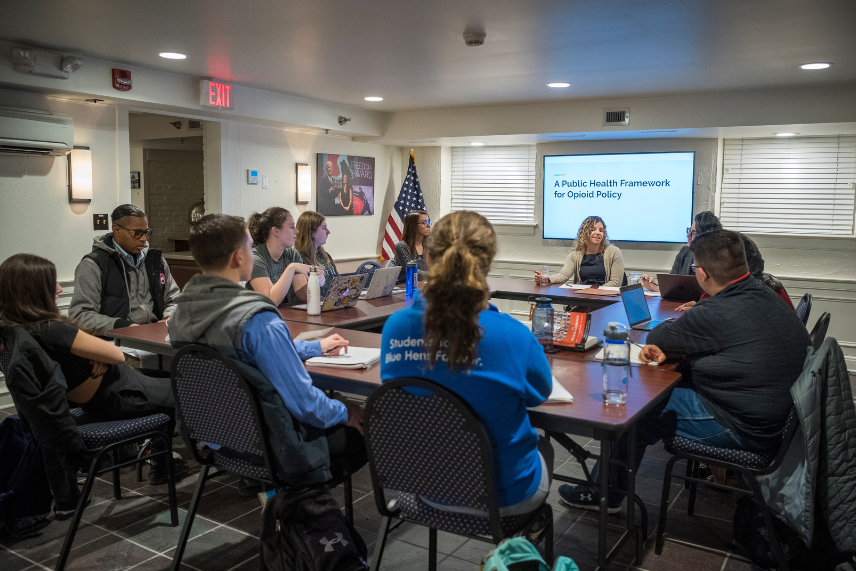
[593, 261]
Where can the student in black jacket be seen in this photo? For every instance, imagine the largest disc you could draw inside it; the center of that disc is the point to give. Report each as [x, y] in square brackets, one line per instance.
[740, 351]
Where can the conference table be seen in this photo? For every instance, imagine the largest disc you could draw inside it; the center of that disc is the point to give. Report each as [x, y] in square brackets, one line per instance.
[579, 373]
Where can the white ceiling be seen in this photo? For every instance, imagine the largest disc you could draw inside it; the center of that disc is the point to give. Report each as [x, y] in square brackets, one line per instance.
[413, 55]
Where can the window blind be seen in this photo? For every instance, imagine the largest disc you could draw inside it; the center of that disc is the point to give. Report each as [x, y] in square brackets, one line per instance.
[789, 185]
[496, 182]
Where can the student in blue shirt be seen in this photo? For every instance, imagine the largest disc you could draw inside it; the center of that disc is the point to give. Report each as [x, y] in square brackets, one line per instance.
[453, 336]
[214, 310]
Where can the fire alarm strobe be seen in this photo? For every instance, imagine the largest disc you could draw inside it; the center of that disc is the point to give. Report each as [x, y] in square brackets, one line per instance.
[122, 79]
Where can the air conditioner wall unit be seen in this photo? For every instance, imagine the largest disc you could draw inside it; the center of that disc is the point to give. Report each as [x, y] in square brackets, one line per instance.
[34, 132]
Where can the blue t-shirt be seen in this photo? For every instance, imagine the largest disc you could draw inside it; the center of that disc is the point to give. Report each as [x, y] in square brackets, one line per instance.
[510, 374]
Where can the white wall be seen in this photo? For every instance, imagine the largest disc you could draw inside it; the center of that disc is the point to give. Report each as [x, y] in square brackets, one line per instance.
[36, 216]
[274, 152]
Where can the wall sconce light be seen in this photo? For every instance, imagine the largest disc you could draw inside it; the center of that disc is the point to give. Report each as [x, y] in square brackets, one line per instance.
[304, 183]
[80, 175]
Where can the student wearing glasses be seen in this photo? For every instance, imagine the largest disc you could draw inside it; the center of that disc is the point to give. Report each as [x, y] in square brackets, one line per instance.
[417, 225]
[703, 222]
[122, 282]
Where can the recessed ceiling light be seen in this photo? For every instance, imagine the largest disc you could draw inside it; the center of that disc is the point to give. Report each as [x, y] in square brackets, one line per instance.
[477, 144]
[374, 98]
[558, 84]
[785, 134]
[172, 55]
[818, 65]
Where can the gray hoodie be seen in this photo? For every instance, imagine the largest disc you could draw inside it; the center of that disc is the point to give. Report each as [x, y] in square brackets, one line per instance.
[85, 308]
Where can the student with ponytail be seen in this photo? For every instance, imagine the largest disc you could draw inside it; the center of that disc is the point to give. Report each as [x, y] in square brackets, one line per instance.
[278, 269]
[489, 359]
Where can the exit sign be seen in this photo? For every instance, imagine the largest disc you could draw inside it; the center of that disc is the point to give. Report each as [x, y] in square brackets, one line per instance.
[213, 93]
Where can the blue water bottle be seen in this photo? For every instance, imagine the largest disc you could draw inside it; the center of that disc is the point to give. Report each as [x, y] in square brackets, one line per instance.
[412, 279]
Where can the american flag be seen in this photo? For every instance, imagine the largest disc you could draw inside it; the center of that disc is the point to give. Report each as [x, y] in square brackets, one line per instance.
[409, 198]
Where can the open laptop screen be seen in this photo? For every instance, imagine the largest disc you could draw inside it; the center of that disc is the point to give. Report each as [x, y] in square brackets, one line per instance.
[635, 304]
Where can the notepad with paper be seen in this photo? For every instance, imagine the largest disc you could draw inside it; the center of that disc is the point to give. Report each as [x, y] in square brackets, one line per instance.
[355, 358]
[634, 356]
[559, 394]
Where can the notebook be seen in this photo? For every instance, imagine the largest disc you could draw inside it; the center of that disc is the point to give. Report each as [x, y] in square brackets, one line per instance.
[559, 394]
[355, 358]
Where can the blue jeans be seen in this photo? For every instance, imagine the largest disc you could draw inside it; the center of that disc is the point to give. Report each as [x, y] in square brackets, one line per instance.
[682, 414]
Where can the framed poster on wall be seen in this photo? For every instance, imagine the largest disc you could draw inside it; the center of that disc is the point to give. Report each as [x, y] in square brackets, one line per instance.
[345, 185]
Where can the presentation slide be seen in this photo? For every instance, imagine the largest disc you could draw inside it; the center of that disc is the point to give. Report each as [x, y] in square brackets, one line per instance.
[642, 197]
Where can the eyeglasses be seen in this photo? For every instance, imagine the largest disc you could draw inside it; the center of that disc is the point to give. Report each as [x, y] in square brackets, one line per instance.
[694, 267]
[137, 234]
[691, 233]
[425, 223]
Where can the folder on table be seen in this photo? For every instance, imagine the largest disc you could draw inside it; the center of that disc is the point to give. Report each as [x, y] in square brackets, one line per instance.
[355, 358]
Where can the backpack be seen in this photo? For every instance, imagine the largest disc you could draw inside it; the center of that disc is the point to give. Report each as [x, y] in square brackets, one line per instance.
[25, 496]
[305, 530]
[518, 554]
[751, 534]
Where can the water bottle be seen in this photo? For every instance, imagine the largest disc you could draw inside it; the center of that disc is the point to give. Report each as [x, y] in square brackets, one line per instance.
[542, 322]
[313, 293]
[412, 278]
[616, 363]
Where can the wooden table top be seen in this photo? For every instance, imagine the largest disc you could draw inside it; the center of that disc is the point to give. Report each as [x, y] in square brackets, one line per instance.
[523, 289]
[366, 313]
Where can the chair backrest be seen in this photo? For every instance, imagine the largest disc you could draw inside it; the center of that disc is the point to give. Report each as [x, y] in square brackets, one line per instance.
[390, 263]
[216, 405]
[423, 439]
[368, 268]
[788, 432]
[818, 334]
[803, 309]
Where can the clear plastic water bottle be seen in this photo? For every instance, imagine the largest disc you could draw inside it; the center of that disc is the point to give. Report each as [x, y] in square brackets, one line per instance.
[412, 278]
[542, 322]
[616, 363]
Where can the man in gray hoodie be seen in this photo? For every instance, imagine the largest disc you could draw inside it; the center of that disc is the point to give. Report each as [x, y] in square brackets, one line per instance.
[122, 282]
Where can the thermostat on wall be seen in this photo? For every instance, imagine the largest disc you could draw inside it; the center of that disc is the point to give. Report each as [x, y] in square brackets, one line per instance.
[252, 176]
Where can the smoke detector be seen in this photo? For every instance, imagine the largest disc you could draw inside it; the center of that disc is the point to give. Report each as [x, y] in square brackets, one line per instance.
[474, 39]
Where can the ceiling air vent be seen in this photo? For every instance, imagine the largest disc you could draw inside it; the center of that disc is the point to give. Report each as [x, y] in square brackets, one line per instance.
[613, 117]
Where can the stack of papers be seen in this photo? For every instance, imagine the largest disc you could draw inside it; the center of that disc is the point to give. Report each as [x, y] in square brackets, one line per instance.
[581, 286]
[634, 356]
[313, 335]
[560, 394]
[355, 358]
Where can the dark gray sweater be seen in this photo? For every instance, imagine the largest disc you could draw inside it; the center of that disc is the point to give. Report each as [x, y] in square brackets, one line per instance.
[741, 349]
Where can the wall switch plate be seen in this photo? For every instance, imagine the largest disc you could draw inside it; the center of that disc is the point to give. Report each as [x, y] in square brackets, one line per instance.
[264, 181]
[252, 176]
[99, 222]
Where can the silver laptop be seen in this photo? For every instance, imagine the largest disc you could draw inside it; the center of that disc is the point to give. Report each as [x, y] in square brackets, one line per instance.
[636, 306]
[382, 284]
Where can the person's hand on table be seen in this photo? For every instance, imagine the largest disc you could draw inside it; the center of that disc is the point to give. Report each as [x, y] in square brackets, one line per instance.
[134, 325]
[300, 268]
[687, 306]
[649, 284]
[98, 368]
[333, 344]
[652, 354]
[355, 416]
[541, 279]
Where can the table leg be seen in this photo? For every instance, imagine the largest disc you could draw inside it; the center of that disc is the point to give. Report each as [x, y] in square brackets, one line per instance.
[605, 461]
[631, 491]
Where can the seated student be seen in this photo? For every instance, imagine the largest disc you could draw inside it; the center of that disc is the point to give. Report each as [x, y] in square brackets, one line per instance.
[489, 359]
[122, 282]
[741, 349]
[98, 379]
[278, 270]
[312, 234]
[214, 310]
[417, 225]
[593, 261]
[703, 222]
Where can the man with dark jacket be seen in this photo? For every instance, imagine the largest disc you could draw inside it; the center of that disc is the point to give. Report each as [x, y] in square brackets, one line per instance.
[309, 430]
[740, 351]
[122, 282]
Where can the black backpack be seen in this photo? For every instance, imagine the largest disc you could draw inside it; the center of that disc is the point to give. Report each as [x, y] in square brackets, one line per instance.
[306, 530]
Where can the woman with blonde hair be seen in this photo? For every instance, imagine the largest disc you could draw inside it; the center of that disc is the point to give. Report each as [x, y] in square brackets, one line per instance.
[593, 261]
[312, 233]
[278, 269]
[489, 359]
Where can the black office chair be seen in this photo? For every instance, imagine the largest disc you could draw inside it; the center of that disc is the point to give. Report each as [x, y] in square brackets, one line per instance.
[103, 440]
[818, 333]
[432, 445]
[748, 464]
[803, 308]
[215, 403]
[368, 268]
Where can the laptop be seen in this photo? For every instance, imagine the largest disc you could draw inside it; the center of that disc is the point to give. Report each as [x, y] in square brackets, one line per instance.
[636, 307]
[344, 292]
[674, 287]
[382, 284]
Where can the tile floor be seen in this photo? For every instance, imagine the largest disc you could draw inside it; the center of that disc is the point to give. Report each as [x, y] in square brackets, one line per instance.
[134, 532]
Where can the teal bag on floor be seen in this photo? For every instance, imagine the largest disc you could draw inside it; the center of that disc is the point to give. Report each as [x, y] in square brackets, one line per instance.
[517, 554]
